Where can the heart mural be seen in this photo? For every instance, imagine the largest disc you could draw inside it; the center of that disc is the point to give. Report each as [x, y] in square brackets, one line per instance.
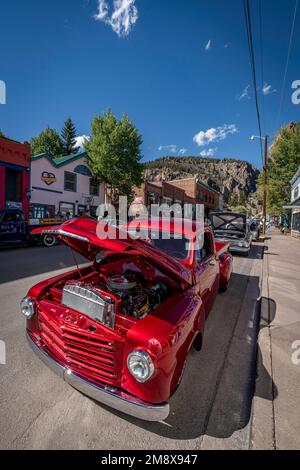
[48, 178]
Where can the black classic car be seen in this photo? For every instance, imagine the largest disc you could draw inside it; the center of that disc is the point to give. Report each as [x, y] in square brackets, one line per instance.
[232, 227]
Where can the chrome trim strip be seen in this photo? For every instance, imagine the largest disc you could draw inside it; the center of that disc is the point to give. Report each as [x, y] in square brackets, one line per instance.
[113, 398]
[66, 234]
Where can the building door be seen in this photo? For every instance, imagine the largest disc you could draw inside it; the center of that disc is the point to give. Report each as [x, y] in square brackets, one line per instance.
[13, 187]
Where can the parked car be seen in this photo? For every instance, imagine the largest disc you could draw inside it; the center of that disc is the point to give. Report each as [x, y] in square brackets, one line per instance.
[14, 229]
[232, 228]
[120, 329]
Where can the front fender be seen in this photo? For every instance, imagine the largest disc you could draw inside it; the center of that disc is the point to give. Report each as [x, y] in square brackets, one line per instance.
[167, 336]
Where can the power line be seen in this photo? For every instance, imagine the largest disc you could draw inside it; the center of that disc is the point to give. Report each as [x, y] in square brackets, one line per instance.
[262, 59]
[253, 69]
[287, 61]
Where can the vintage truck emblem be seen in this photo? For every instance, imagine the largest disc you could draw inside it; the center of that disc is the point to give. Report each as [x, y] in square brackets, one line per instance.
[48, 178]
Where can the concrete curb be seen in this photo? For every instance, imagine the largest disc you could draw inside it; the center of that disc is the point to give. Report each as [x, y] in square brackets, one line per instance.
[262, 421]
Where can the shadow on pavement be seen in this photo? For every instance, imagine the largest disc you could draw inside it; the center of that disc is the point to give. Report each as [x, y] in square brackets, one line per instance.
[19, 263]
[213, 400]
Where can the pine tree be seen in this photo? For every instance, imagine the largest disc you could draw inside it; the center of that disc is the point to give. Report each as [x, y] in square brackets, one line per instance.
[68, 136]
[242, 199]
[233, 200]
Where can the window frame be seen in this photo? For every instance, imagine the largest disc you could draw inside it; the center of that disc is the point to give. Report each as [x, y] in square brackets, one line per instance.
[96, 185]
[75, 181]
[201, 260]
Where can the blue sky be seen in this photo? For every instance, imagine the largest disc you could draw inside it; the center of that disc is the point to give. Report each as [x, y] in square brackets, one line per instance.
[179, 68]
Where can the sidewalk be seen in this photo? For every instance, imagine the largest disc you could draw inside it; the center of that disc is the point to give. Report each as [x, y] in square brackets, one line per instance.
[276, 408]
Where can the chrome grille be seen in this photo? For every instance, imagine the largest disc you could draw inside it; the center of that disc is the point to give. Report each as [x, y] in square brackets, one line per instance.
[90, 354]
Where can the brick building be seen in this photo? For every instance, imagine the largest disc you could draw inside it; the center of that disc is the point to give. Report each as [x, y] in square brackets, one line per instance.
[14, 175]
[200, 193]
[184, 191]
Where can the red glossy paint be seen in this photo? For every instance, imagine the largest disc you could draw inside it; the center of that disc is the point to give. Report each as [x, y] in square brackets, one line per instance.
[98, 353]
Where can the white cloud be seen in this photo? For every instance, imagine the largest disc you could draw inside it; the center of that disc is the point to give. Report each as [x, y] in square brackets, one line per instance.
[172, 148]
[267, 89]
[245, 94]
[203, 138]
[122, 19]
[80, 141]
[208, 45]
[208, 152]
[168, 148]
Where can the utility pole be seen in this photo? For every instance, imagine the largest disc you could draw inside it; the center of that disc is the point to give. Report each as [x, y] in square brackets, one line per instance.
[264, 209]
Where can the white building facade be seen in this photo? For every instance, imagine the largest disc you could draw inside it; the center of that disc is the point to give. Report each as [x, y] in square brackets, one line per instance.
[63, 186]
[295, 202]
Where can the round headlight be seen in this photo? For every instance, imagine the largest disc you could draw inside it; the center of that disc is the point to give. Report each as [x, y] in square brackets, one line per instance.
[27, 308]
[140, 365]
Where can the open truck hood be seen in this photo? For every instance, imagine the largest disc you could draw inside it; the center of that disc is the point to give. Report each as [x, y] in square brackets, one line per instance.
[81, 235]
[228, 221]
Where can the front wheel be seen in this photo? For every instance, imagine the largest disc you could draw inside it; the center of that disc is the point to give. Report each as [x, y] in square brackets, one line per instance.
[49, 240]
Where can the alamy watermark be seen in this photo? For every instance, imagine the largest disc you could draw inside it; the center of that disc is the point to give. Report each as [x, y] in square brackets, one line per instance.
[2, 92]
[177, 221]
[2, 353]
[296, 354]
[296, 93]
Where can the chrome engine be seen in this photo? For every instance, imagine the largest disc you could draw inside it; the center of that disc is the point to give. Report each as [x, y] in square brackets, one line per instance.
[87, 300]
[136, 301]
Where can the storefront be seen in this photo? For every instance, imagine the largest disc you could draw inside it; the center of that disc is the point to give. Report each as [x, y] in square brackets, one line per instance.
[63, 186]
[295, 201]
[14, 175]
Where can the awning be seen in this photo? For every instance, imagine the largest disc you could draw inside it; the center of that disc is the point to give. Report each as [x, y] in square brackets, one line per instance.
[292, 207]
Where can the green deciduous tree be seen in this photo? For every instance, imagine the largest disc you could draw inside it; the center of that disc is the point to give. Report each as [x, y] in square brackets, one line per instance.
[115, 153]
[48, 141]
[68, 137]
[1, 134]
[283, 163]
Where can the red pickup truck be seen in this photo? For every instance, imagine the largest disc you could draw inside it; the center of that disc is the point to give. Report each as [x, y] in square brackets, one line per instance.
[120, 329]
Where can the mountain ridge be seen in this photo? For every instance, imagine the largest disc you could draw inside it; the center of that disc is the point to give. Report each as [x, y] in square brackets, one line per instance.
[226, 175]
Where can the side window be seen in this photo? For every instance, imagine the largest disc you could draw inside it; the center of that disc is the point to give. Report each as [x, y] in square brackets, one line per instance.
[13, 217]
[205, 247]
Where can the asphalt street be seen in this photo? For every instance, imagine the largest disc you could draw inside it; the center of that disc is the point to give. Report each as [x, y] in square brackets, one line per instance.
[210, 410]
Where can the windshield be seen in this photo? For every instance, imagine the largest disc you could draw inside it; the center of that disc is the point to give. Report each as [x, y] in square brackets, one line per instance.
[177, 248]
[173, 245]
[228, 222]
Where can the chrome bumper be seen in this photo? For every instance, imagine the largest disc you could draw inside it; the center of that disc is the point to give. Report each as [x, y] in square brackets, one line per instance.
[113, 398]
[239, 249]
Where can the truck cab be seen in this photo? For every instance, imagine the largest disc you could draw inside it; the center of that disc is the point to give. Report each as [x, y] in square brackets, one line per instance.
[12, 226]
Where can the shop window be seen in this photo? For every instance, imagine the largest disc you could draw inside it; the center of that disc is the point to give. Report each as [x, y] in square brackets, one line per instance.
[70, 181]
[296, 222]
[67, 210]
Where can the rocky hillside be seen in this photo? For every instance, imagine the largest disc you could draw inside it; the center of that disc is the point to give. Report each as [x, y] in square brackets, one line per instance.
[225, 175]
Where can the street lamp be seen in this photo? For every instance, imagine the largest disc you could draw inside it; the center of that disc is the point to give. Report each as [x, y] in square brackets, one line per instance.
[264, 211]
